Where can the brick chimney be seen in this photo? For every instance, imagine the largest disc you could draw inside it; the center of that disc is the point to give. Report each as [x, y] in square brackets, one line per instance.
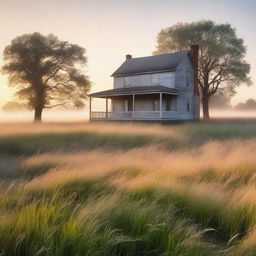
[194, 56]
[128, 56]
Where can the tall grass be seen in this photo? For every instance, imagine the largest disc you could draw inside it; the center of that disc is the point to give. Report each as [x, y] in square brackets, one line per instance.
[62, 226]
[128, 190]
[28, 139]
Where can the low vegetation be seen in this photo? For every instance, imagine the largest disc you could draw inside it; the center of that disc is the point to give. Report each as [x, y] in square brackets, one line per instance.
[125, 189]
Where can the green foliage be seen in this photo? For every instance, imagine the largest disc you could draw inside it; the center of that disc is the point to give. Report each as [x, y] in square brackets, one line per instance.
[222, 66]
[56, 227]
[46, 71]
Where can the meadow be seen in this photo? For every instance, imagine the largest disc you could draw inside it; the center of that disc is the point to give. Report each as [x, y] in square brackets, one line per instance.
[128, 189]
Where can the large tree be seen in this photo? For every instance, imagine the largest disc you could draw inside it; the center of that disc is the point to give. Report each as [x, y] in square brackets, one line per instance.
[46, 72]
[222, 66]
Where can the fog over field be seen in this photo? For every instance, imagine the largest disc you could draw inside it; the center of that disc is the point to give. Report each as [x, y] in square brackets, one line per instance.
[80, 115]
[24, 116]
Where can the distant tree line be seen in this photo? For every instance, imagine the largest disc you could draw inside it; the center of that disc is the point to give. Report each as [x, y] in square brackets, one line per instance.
[248, 105]
[222, 102]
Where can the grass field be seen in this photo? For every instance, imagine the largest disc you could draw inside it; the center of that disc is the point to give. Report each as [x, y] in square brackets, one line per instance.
[126, 189]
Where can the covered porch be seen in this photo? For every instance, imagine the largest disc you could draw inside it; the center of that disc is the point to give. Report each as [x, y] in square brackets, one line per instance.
[140, 103]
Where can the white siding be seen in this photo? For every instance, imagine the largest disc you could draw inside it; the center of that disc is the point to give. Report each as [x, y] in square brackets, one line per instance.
[138, 80]
[184, 75]
[166, 79]
[118, 82]
[182, 79]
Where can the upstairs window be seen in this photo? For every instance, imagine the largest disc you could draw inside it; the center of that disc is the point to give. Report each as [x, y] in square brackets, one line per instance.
[188, 79]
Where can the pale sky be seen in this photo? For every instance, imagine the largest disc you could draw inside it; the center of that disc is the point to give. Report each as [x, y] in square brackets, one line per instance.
[109, 29]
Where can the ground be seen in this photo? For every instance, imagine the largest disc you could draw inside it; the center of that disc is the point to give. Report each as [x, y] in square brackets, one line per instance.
[128, 189]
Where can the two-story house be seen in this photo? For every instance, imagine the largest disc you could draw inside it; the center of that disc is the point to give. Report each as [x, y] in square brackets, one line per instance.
[154, 88]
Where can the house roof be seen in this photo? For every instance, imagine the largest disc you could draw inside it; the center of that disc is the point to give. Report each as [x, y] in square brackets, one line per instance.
[151, 64]
[134, 90]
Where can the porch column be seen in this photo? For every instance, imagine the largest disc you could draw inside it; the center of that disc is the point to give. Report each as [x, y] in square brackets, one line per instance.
[106, 107]
[161, 105]
[90, 108]
[133, 106]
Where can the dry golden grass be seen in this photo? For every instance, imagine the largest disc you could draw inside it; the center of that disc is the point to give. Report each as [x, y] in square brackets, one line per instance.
[12, 129]
[209, 187]
[227, 160]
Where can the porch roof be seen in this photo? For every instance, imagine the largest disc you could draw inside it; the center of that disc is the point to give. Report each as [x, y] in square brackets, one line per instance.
[134, 90]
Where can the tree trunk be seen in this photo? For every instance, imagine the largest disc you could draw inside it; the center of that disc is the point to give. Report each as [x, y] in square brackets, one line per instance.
[205, 103]
[38, 114]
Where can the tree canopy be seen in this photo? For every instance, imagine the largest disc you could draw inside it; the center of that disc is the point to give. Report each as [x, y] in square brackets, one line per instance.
[222, 65]
[46, 72]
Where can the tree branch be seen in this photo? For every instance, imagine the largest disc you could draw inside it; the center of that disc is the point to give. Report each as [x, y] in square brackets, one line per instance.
[214, 79]
[51, 76]
[60, 104]
[214, 89]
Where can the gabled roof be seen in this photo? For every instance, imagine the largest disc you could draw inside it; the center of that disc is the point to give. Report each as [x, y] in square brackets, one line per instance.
[134, 90]
[151, 64]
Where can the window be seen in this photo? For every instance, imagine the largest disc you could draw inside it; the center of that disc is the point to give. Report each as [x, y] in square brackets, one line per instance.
[188, 105]
[188, 79]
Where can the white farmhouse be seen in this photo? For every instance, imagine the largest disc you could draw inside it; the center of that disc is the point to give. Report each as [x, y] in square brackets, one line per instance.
[162, 88]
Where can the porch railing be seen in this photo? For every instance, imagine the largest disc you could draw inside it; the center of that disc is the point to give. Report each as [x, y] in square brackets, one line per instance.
[121, 115]
[130, 115]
